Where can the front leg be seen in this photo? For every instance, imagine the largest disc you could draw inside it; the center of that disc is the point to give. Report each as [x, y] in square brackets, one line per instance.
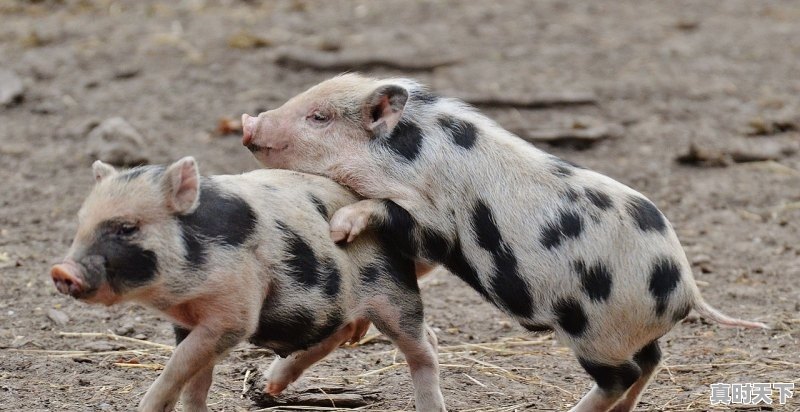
[430, 239]
[202, 347]
[384, 216]
[195, 394]
[350, 221]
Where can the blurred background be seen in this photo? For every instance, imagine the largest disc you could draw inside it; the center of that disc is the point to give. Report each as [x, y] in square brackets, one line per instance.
[696, 104]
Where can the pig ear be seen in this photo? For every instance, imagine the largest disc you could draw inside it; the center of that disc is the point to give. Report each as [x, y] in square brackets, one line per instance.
[182, 185]
[383, 108]
[102, 170]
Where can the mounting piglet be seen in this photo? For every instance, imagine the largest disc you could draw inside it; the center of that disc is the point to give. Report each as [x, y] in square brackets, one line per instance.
[229, 258]
[553, 245]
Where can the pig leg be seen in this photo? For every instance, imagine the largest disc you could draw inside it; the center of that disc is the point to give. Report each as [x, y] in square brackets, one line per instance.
[611, 383]
[284, 371]
[361, 326]
[648, 359]
[407, 329]
[348, 222]
[195, 392]
[201, 347]
[396, 226]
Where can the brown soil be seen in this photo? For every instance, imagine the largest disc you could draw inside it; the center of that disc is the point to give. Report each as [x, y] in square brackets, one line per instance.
[671, 72]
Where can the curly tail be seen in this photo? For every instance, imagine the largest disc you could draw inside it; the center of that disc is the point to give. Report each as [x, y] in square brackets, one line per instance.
[709, 312]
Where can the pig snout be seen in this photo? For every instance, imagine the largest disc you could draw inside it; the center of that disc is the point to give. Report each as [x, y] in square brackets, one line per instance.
[67, 278]
[248, 127]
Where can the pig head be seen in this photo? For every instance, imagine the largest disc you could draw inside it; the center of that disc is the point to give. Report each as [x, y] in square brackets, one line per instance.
[121, 224]
[328, 130]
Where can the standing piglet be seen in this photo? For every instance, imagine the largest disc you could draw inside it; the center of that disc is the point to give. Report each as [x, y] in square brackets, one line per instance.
[551, 244]
[229, 258]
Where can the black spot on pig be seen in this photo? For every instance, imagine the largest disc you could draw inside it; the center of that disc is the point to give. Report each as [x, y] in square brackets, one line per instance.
[180, 333]
[320, 205]
[400, 269]
[664, 278]
[394, 266]
[332, 276]
[569, 225]
[195, 249]
[398, 229]
[600, 199]
[458, 264]
[571, 316]
[562, 170]
[301, 263]
[371, 273]
[537, 328]
[412, 314]
[435, 245]
[507, 283]
[462, 132]
[405, 140]
[332, 324]
[220, 218]
[646, 214]
[423, 96]
[287, 327]
[285, 332]
[126, 264]
[648, 357]
[595, 280]
[561, 167]
[572, 194]
[612, 379]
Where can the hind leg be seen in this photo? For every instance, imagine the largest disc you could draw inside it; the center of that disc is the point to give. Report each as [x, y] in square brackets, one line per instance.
[611, 383]
[284, 371]
[407, 329]
[648, 359]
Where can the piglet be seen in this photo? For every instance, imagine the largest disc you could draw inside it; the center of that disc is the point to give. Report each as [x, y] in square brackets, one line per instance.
[554, 245]
[243, 257]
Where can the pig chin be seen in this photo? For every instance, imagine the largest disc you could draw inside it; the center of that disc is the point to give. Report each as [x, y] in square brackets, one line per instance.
[272, 158]
[102, 295]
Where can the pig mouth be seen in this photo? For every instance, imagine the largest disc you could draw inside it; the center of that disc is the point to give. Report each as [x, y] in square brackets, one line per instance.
[267, 150]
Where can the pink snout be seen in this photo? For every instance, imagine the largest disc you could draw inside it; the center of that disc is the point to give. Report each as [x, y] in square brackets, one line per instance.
[67, 278]
[248, 127]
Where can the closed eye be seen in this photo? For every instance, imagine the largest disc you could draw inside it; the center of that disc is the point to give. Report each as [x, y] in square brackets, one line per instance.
[319, 117]
[127, 229]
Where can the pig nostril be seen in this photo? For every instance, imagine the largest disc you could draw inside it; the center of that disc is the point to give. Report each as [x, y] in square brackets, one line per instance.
[66, 282]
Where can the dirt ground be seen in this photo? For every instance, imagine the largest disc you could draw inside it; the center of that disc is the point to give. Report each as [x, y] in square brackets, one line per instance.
[670, 73]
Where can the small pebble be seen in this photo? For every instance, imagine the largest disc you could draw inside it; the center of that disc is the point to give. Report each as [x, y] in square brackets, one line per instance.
[116, 142]
[125, 330]
[58, 317]
[140, 336]
[11, 88]
[701, 259]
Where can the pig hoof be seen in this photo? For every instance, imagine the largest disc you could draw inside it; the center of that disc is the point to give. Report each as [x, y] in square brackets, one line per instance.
[348, 222]
[275, 388]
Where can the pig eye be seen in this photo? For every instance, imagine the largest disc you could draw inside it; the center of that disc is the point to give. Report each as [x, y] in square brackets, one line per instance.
[126, 229]
[319, 117]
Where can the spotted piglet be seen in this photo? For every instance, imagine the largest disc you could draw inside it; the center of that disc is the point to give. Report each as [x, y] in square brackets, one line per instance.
[244, 257]
[553, 245]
